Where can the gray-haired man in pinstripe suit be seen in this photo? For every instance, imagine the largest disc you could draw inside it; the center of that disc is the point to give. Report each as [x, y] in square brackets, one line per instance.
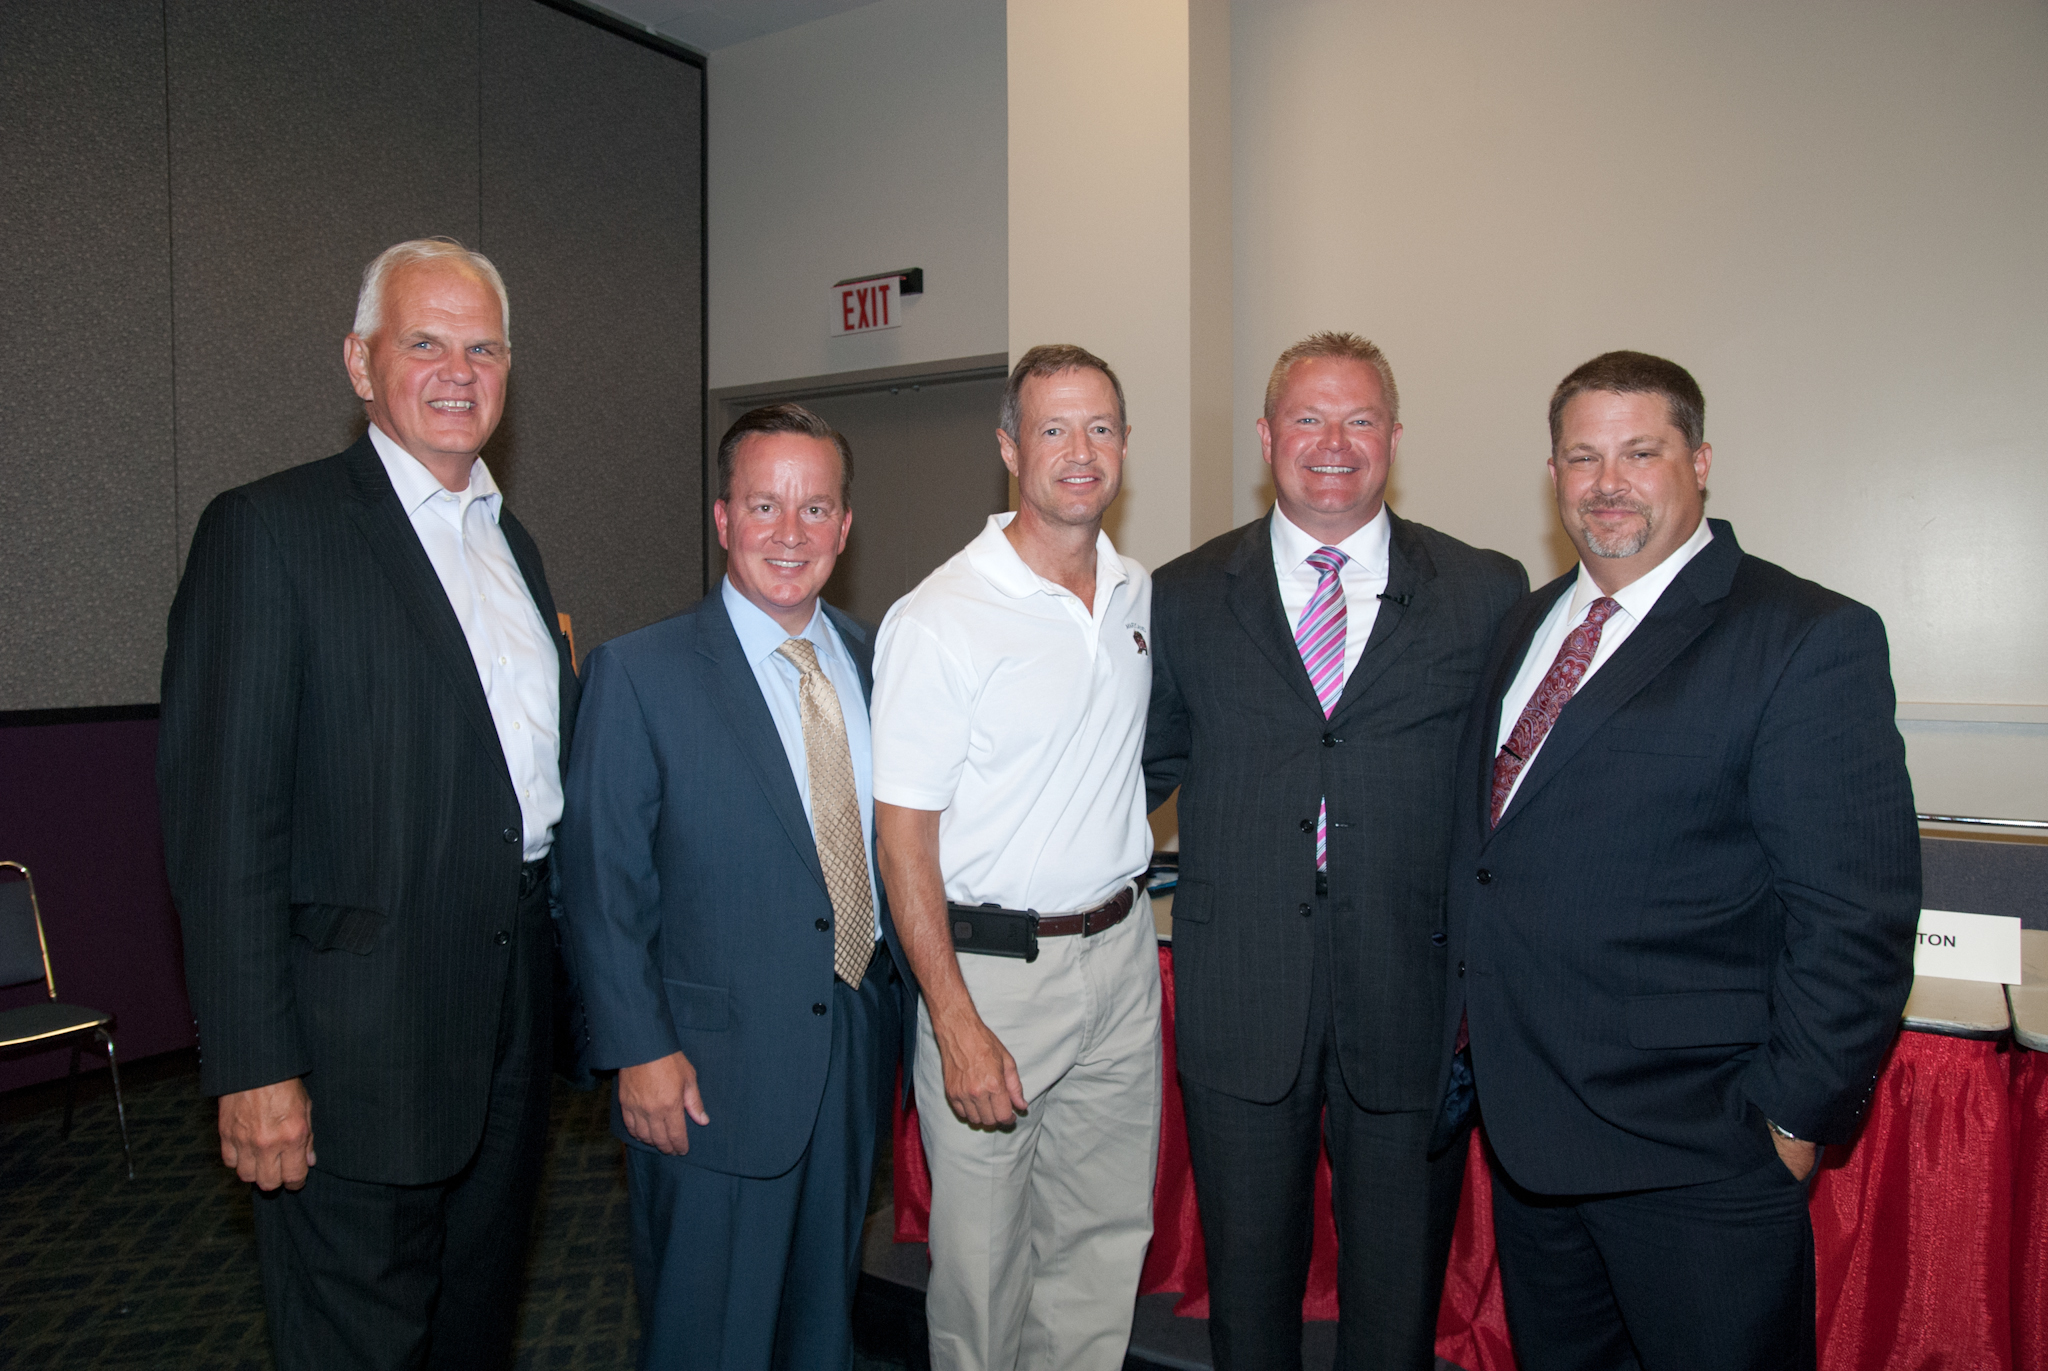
[365, 704]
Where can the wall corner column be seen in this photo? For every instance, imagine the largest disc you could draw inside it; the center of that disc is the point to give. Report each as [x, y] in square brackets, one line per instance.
[1119, 236]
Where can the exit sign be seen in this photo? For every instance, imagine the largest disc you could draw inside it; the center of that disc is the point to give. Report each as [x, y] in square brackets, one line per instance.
[868, 304]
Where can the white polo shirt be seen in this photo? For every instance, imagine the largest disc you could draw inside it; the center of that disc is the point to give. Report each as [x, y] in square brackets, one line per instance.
[1019, 713]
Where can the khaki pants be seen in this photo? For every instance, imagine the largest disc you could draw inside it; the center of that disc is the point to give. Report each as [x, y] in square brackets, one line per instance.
[1038, 1232]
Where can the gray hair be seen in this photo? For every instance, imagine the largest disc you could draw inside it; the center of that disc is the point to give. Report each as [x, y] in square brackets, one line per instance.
[370, 300]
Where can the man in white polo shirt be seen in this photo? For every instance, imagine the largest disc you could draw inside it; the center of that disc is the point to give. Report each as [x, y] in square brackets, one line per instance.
[1009, 714]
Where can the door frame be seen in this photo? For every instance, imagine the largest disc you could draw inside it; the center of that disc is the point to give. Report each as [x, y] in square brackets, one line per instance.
[728, 403]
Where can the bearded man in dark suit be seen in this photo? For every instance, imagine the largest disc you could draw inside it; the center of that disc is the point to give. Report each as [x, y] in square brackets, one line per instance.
[1685, 879]
[366, 700]
[1310, 675]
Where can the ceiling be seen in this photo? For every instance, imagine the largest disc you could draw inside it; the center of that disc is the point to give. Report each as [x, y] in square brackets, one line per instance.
[708, 25]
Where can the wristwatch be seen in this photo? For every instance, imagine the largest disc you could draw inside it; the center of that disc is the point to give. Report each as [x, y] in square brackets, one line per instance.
[1784, 1133]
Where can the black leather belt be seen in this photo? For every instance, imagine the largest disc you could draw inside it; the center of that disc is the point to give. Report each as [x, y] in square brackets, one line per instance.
[532, 876]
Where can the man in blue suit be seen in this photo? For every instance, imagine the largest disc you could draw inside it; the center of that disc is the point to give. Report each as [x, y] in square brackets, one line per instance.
[726, 924]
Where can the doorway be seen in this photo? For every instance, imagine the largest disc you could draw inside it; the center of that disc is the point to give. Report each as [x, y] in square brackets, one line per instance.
[926, 472]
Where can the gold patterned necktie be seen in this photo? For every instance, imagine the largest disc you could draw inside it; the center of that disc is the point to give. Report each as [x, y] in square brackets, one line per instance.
[835, 814]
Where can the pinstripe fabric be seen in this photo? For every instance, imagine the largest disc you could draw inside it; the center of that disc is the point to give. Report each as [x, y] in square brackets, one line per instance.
[1302, 1012]
[1697, 909]
[340, 829]
[1236, 724]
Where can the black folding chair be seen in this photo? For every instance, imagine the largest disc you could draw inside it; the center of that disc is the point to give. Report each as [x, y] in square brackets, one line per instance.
[33, 1028]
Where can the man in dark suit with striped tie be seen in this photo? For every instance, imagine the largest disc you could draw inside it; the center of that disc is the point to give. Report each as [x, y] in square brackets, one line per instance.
[1685, 878]
[366, 700]
[1310, 674]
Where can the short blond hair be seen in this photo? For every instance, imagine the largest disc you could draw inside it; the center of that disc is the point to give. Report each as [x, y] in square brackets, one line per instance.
[1335, 343]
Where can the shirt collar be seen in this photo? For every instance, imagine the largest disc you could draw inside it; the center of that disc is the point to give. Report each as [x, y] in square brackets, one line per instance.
[1640, 596]
[760, 636]
[1367, 545]
[992, 555]
[416, 485]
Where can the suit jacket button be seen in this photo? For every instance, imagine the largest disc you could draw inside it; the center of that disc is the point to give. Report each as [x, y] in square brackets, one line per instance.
[1304, 910]
[818, 1009]
[501, 937]
[1461, 968]
[1437, 939]
[1485, 876]
[510, 835]
[824, 924]
[1308, 825]
[1331, 740]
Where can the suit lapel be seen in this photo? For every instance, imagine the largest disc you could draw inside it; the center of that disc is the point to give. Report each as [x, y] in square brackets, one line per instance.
[753, 727]
[396, 547]
[1403, 610]
[1512, 644]
[1254, 597]
[527, 555]
[859, 646]
[1682, 613]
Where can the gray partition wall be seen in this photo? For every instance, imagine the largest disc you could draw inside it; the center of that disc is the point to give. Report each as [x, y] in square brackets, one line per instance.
[88, 485]
[189, 190]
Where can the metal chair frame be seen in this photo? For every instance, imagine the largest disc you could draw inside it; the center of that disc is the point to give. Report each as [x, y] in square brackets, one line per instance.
[99, 1026]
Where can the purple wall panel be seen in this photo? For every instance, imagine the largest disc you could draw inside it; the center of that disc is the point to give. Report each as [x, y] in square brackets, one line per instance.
[78, 808]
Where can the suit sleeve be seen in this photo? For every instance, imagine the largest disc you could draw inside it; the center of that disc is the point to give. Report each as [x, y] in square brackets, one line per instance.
[226, 769]
[1832, 805]
[611, 892]
[1168, 732]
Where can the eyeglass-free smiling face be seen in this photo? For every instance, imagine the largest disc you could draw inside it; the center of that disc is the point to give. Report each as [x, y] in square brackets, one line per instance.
[1330, 443]
[433, 374]
[783, 526]
[1629, 490]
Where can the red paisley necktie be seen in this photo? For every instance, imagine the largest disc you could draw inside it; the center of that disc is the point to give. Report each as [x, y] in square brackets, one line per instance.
[1550, 698]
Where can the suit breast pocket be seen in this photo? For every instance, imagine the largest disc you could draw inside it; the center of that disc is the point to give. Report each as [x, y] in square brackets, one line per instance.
[705, 1008]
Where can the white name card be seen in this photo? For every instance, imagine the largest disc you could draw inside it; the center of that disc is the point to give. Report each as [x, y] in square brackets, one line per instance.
[1968, 947]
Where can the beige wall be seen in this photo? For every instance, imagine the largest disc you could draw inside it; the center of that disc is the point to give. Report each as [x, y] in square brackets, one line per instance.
[863, 142]
[1118, 193]
[1832, 213]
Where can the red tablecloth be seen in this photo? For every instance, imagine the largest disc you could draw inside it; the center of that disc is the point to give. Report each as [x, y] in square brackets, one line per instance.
[2030, 1210]
[1930, 1235]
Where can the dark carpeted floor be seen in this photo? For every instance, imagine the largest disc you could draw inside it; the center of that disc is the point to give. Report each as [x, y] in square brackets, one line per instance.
[101, 1271]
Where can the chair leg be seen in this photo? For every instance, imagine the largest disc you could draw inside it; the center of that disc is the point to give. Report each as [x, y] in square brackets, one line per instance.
[70, 1094]
[120, 1110]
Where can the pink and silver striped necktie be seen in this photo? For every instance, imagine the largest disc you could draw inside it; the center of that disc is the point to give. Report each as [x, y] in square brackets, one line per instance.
[1320, 639]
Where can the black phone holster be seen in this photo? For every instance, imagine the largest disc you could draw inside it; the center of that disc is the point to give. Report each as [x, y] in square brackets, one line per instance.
[992, 931]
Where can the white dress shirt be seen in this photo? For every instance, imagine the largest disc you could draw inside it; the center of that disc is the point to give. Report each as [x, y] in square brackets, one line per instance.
[513, 651]
[761, 639]
[1635, 599]
[1363, 576]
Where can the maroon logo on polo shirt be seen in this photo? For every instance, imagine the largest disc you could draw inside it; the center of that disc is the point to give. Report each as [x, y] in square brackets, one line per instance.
[1138, 637]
